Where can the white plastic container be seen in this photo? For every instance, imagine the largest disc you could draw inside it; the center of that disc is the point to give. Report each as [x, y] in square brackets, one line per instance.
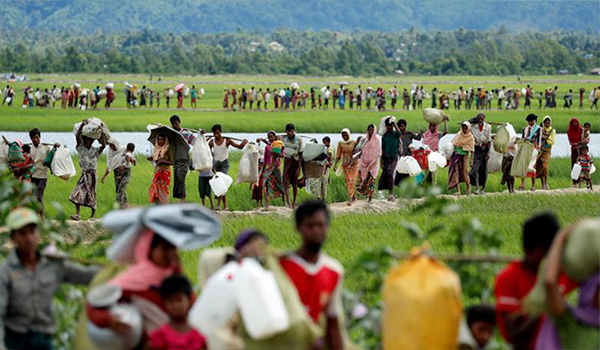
[217, 303]
[220, 184]
[592, 169]
[402, 166]
[260, 302]
[576, 171]
[436, 160]
[413, 166]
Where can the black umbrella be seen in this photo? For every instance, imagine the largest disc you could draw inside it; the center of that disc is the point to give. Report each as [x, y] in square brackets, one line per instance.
[175, 138]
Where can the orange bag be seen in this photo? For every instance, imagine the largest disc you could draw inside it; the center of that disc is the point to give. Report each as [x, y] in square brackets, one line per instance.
[423, 308]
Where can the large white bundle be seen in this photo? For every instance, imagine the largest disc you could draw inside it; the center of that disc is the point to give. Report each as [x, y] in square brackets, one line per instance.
[102, 93]
[62, 165]
[501, 140]
[447, 149]
[170, 93]
[202, 92]
[94, 129]
[109, 86]
[248, 168]
[77, 86]
[494, 162]
[38, 95]
[434, 115]
[202, 158]
[57, 94]
[186, 91]
[382, 128]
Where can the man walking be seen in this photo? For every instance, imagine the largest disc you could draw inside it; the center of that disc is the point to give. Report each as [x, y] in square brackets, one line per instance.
[181, 161]
[39, 153]
[482, 132]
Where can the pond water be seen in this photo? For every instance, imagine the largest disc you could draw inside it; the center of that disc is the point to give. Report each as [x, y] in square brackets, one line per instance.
[561, 147]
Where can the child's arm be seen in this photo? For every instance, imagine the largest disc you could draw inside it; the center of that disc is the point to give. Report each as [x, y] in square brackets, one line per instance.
[105, 175]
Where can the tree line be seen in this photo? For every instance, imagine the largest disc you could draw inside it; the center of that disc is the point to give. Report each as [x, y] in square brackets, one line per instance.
[496, 52]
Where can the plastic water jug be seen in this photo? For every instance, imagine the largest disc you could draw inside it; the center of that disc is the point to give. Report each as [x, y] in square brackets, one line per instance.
[260, 302]
[217, 303]
[576, 171]
[413, 166]
[436, 160]
[220, 184]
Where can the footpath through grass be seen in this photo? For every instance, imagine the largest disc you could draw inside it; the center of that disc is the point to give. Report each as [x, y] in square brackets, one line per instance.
[239, 196]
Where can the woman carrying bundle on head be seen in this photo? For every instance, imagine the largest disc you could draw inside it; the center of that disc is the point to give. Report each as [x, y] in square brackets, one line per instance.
[368, 165]
[162, 159]
[345, 152]
[464, 145]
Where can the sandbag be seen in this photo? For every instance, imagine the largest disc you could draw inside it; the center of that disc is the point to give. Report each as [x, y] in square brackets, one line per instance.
[522, 159]
[434, 115]
[312, 151]
[382, 128]
[62, 165]
[581, 257]
[415, 293]
[259, 300]
[202, 158]
[494, 162]
[501, 139]
[302, 333]
[248, 167]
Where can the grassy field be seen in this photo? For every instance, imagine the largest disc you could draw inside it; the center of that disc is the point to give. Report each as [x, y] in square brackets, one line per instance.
[210, 106]
[239, 196]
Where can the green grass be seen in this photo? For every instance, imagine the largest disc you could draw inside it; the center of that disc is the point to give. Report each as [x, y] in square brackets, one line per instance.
[119, 119]
[239, 196]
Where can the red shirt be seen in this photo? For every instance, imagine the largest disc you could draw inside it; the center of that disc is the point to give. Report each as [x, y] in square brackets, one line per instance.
[512, 285]
[166, 338]
[318, 284]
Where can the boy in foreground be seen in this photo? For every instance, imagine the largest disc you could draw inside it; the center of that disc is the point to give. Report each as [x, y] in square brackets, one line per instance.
[518, 278]
[317, 277]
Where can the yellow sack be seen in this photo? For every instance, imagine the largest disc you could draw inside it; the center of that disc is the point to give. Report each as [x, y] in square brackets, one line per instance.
[422, 298]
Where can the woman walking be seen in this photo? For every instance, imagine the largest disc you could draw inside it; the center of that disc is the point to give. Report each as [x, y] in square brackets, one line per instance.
[533, 134]
[368, 166]
[541, 166]
[84, 194]
[345, 152]
[271, 174]
[162, 159]
[574, 134]
[464, 145]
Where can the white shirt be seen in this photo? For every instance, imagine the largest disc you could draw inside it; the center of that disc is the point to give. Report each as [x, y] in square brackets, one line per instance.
[38, 155]
[483, 136]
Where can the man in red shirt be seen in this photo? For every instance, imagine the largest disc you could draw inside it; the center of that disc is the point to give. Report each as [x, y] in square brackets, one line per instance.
[518, 278]
[317, 277]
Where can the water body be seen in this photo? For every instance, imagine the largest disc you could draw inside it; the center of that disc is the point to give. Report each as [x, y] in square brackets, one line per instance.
[561, 146]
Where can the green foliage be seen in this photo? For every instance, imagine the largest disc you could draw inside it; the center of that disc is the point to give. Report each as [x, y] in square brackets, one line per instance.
[325, 53]
[184, 16]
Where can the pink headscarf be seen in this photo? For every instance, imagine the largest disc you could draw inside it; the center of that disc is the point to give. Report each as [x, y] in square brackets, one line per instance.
[143, 274]
[371, 152]
[432, 139]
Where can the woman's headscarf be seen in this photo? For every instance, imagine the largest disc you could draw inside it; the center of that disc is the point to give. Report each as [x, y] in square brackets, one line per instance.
[432, 139]
[466, 141]
[160, 151]
[371, 152]
[144, 273]
[115, 159]
[574, 131]
[342, 141]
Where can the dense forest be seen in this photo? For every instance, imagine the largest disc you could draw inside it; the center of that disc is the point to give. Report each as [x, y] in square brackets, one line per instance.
[494, 52]
[210, 16]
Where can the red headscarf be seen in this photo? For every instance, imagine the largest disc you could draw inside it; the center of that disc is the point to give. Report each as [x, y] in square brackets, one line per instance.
[574, 131]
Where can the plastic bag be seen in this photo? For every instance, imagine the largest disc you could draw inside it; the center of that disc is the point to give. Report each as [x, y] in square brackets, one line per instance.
[382, 128]
[434, 115]
[501, 139]
[248, 168]
[312, 151]
[259, 300]
[414, 294]
[494, 162]
[522, 159]
[62, 165]
[582, 250]
[202, 158]
[93, 129]
[531, 165]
